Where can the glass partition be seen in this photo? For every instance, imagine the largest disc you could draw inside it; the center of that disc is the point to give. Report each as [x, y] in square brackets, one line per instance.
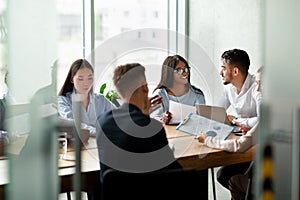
[38, 51]
[30, 120]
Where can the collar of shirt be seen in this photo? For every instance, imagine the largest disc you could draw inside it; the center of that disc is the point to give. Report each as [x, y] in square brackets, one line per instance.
[247, 84]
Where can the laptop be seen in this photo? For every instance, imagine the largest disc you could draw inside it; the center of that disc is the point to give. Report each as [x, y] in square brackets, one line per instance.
[213, 112]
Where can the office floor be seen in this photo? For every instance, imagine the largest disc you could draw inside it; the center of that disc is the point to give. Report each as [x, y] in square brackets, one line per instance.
[221, 192]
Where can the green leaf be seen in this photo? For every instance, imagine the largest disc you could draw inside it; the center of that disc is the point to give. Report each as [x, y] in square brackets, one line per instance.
[102, 88]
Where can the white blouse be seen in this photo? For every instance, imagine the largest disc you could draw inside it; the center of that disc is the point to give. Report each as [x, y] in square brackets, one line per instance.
[98, 104]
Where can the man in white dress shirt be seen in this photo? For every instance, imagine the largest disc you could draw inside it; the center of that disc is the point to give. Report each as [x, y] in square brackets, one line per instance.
[242, 94]
[237, 183]
[240, 90]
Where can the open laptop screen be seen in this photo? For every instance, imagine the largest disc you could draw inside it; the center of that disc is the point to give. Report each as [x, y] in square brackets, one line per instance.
[213, 112]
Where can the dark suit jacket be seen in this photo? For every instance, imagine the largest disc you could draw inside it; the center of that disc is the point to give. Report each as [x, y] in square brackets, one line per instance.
[133, 142]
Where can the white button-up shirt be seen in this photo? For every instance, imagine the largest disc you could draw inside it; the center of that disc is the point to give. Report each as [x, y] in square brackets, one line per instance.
[246, 104]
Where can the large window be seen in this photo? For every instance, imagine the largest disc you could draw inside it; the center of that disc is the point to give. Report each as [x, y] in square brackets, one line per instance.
[69, 42]
[108, 33]
[125, 27]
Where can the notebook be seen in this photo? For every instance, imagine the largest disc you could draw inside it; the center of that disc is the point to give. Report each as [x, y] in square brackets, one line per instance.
[213, 112]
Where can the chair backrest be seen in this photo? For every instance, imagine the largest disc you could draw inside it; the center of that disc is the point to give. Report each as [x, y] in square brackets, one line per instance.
[169, 184]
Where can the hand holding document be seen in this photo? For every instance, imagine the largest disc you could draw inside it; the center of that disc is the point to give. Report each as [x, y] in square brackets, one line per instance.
[166, 117]
[179, 111]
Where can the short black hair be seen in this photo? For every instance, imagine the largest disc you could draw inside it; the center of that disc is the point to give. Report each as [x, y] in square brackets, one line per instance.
[237, 58]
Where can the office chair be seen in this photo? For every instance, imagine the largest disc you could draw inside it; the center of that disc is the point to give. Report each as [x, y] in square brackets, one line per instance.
[169, 184]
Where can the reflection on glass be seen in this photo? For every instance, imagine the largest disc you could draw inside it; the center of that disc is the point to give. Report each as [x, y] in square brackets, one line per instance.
[3, 38]
[69, 14]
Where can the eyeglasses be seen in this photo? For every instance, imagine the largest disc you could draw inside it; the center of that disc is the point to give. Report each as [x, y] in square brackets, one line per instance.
[180, 71]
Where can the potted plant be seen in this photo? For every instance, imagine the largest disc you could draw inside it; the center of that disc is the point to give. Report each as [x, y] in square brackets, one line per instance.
[111, 95]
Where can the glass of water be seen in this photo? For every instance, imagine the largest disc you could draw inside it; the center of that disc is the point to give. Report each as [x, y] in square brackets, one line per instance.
[62, 145]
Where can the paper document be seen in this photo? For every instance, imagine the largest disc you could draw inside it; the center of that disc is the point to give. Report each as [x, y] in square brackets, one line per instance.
[194, 124]
[179, 111]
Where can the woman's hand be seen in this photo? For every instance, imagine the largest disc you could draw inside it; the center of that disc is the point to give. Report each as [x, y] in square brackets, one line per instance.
[201, 137]
[166, 117]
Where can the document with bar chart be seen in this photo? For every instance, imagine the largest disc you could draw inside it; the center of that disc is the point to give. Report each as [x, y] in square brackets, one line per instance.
[194, 124]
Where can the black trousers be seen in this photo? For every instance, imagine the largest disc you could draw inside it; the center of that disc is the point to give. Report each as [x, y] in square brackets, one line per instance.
[226, 172]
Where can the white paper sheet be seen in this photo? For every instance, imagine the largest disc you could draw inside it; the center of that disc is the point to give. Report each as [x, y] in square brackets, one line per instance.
[179, 111]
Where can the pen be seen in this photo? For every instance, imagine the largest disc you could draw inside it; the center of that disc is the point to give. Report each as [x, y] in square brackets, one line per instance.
[185, 120]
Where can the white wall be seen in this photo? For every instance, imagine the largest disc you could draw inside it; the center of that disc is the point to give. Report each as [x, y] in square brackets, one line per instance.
[220, 25]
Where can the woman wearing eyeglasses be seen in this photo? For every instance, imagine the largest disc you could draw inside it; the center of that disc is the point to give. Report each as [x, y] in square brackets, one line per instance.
[175, 85]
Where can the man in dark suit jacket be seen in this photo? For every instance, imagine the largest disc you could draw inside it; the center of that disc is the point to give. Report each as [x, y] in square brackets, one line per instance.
[131, 141]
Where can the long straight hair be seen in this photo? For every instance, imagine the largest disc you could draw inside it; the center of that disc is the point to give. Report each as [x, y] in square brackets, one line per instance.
[68, 86]
[167, 71]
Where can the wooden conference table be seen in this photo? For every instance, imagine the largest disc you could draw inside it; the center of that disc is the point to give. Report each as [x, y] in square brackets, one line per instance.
[188, 151]
[192, 154]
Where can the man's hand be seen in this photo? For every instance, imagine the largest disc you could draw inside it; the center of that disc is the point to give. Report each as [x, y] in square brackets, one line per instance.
[155, 103]
[232, 119]
[244, 129]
